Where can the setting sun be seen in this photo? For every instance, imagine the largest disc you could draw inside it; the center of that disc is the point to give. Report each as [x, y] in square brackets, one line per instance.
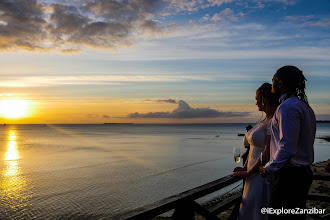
[14, 108]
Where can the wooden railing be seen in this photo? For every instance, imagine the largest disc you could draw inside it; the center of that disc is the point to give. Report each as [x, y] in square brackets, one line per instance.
[185, 205]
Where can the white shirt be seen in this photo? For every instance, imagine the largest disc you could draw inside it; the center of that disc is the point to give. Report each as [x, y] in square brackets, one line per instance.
[293, 133]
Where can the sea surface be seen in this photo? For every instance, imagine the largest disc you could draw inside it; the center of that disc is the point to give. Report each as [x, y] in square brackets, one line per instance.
[99, 171]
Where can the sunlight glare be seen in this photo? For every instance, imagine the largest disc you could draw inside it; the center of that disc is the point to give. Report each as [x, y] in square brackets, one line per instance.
[14, 108]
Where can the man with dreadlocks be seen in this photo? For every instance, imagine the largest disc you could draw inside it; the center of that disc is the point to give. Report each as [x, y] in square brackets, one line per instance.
[292, 139]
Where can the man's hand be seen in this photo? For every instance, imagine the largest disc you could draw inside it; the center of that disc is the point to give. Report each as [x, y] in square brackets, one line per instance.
[263, 172]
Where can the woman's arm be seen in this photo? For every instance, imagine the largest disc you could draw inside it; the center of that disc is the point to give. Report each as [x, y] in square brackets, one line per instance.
[244, 173]
[265, 157]
[244, 168]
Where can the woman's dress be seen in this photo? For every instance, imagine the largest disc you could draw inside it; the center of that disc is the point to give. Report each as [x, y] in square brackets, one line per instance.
[256, 189]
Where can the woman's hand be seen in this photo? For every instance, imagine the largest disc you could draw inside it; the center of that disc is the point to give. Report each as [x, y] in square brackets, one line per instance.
[240, 174]
[239, 169]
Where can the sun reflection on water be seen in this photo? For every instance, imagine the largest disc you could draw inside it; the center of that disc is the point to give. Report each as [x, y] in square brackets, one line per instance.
[13, 185]
[11, 157]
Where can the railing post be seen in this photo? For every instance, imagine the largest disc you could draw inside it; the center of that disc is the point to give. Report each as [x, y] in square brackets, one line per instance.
[234, 213]
[184, 210]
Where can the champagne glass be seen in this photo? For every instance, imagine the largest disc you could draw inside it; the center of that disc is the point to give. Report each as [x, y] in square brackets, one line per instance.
[237, 154]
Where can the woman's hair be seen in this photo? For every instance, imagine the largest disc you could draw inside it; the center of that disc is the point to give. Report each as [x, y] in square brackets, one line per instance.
[265, 91]
[293, 81]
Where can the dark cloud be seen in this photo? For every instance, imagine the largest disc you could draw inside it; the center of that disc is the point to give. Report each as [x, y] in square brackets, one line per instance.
[69, 27]
[92, 116]
[125, 11]
[22, 25]
[72, 26]
[65, 20]
[167, 100]
[323, 116]
[97, 116]
[185, 111]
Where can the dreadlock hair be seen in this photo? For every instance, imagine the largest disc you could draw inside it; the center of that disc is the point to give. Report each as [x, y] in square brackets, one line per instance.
[293, 81]
[265, 90]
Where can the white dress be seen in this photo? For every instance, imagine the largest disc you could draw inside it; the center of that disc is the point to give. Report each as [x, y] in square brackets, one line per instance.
[256, 189]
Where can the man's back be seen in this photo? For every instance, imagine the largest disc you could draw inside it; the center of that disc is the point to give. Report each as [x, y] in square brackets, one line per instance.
[305, 151]
[293, 134]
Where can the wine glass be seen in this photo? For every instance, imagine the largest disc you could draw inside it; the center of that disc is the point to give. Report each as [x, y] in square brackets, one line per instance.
[237, 154]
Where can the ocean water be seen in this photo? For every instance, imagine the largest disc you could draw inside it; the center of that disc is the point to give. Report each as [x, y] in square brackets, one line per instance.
[98, 171]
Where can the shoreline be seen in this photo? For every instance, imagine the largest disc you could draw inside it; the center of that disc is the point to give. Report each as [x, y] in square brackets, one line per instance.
[326, 138]
[320, 186]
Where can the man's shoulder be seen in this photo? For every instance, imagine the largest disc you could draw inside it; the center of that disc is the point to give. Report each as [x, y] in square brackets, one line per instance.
[291, 103]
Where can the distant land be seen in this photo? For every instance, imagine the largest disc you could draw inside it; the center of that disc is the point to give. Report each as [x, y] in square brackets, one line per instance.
[327, 138]
[119, 123]
[323, 121]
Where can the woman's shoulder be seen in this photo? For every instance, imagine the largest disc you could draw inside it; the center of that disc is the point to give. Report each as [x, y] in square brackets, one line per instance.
[265, 122]
[263, 125]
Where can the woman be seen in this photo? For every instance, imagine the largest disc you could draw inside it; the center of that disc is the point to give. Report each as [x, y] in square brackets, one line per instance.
[256, 189]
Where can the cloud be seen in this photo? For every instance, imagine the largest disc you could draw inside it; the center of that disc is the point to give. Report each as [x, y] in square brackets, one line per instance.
[219, 2]
[92, 116]
[97, 116]
[22, 25]
[71, 26]
[308, 20]
[298, 18]
[285, 2]
[184, 5]
[226, 15]
[68, 27]
[323, 116]
[154, 29]
[39, 81]
[261, 3]
[206, 17]
[167, 100]
[185, 111]
[322, 23]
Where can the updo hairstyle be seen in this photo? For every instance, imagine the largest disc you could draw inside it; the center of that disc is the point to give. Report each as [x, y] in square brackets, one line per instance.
[265, 91]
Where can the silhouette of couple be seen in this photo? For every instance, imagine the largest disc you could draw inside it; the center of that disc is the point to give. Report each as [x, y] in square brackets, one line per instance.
[285, 139]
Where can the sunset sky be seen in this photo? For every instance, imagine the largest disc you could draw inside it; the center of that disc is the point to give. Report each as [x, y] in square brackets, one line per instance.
[156, 61]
